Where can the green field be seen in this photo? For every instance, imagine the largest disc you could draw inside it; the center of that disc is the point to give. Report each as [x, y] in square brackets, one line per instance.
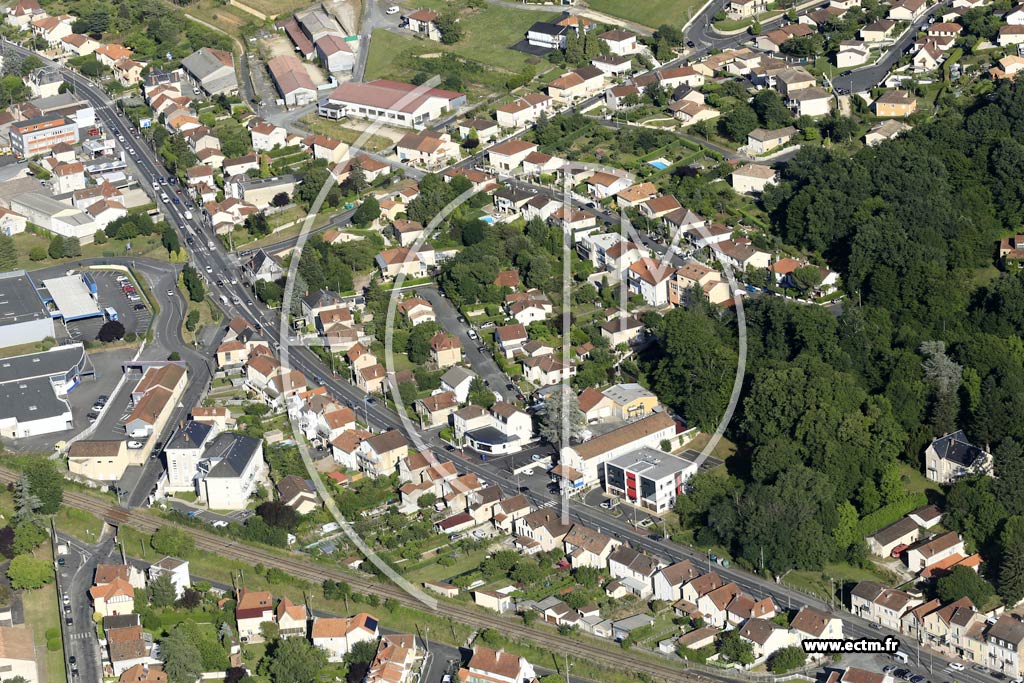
[652, 13]
[490, 32]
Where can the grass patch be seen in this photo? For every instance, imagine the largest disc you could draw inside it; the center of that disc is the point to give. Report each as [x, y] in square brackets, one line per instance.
[818, 582]
[432, 571]
[490, 33]
[142, 247]
[275, 8]
[651, 13]
[42, 613]
[316, 124]
[78, 523]
[722, 450]
[31, 347]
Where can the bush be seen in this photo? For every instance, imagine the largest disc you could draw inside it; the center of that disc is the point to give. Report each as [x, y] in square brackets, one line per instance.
[36, 254]
[53, 644]
[112, 330]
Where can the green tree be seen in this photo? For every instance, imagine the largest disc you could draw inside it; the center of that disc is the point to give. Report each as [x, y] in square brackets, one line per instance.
[161, 591]
[1011, 565]
[72, 247]
[735, 649]
[27, 572]
[448, 25]
[47, 484]
[367, 212]
[561, 417]
[169, 540]
[480, 394]
[294, 660]
[419, 341]
[192, 321]
[28, 536]
[963, 582]
[8, 253]
[807, 277]
[169, 239]
[738, 123]
[787, 659]
[257, 224]
[193, 284]
[56, 248]
[182, 657]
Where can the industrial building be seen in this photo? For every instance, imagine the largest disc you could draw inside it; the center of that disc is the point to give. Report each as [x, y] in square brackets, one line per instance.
[72, 297]
[34, 387]
[24, 317]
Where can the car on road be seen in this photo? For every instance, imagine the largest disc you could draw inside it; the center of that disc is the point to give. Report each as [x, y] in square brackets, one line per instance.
[888, 668]
[900, 673]
[690, 44]
[454, 537]
[135, 445]
[535, 457]
[92, 416]
[69, 621]
[956, 666]
[980, 669]
[847, 72]
[917, 679]
[209, 269]
[170, 292]
[61, 561]
[193, 514]
[102, 399]
[656, 537]
[97, 407]
[473, 335]
[394, 9]
[998, 675]
[220, 524]
[607, 504]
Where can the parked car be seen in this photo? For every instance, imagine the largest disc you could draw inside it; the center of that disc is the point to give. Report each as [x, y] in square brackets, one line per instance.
[956, 666]
[135, 445]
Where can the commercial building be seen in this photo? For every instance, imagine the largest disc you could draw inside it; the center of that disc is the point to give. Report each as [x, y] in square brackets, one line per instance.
[292, 81]
[72, 297]
[39, 135]
[648, 478]
[394, 103]
[55, 216]
[33, 390]
[24, 318]
[212, 71]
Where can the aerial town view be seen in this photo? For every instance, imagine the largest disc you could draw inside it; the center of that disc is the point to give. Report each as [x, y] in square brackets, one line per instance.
[511, 341]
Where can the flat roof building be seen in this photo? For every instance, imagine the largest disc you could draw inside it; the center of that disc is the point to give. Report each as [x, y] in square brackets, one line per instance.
[24, 318]
[394, 103]
[33, 388]
[648, 478]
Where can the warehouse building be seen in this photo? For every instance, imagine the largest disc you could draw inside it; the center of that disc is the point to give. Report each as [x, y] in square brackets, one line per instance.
[24, 317]
[34, 387]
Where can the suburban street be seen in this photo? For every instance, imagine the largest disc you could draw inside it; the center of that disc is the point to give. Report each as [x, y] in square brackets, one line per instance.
[73, 582]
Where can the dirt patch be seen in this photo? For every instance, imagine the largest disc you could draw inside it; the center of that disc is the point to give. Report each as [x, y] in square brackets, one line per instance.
[315, 74]
[346, 12]
[383, 131]
[277, 45]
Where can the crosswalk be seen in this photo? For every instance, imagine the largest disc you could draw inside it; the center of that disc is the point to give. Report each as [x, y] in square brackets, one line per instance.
[82, 636]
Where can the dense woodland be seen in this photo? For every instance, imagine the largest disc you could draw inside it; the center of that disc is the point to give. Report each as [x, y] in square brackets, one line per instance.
[928, 341]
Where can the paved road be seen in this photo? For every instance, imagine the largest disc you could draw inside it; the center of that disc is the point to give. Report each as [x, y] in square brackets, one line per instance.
[74, 580]
[482, 362]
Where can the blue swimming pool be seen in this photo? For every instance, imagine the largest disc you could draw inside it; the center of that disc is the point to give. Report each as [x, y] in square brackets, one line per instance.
[488, 219]
[660, 164]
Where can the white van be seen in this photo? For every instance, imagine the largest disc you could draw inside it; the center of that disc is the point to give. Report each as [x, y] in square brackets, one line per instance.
[223, 299]
[139, 433]
[188, 215]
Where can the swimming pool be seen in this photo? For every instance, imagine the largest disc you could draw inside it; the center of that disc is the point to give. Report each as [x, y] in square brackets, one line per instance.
[488, 219]
[660, 164]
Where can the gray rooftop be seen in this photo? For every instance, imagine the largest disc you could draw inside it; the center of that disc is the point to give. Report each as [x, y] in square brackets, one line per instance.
[650, 463]
[214, 75]
[19, 300]
[626, 393]
[456, 375]
[192, 435]
[33, 399]
[233, 452]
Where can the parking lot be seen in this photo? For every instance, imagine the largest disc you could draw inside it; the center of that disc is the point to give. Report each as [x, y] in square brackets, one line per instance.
[135, 315]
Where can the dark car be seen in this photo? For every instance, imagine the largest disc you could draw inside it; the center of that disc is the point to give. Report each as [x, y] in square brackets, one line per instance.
[68, 620]
[102, 399]
[524, 489]
[900, 673]
[92, 416]
[72, 660]
[847, 72]
[656, 537]
[690, 43]
[888, 668]
[139, 307]
[917, 679]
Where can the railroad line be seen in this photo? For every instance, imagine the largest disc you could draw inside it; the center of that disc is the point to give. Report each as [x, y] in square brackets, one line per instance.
[607, 655]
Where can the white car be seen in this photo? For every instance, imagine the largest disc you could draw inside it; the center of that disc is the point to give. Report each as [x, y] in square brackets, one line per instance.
[220, 524]
[394, 9]
[135, 445]
[956, 666]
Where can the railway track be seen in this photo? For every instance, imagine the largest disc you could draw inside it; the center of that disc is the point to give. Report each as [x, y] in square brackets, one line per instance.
[604, 654]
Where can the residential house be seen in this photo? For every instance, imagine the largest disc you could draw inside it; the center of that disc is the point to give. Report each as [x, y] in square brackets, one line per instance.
[620, 42]
[509, 155]
[297, 493]
[880, 604]
[1005, 644]
[337, 636]
[885, 130]
[907, 10]
[585, 547]
[668, 582]
[952, 456]
[895, 103]
[813, 624]
[176, 570]
[523, 111]
[428, 148]
[885, 541]
[445, 350]
[928, 551]
[761, 141]
[540, 531]
[765, 637]
[379, 454]
[252, 610]
[753, 178]
[291, 619]
[496, 666]
[435, 409]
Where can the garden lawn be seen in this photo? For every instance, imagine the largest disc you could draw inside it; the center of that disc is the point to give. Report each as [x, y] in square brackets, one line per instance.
[433, 571]
[148, 246]
[652, 13]
[490, 33]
